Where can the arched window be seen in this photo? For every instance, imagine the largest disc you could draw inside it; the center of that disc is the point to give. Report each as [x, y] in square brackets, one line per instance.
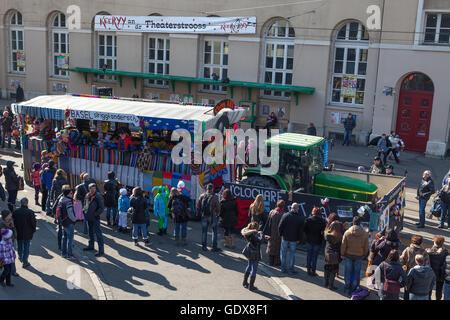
[279, 56]
[17, 47]
[60, 45]
[349, 64]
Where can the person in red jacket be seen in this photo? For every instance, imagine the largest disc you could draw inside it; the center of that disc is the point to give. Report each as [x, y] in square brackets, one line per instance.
[124, 140]
[36, 178]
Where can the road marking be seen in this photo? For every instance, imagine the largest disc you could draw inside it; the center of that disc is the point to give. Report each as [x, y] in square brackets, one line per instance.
[95, 280]
[289, 294]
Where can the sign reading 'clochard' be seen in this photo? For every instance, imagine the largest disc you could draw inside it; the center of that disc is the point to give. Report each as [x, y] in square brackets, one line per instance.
[210, 25]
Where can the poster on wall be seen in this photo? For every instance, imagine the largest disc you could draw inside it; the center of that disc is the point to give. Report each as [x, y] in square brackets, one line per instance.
[348, 89]
[335, 117]
[199, 25]
[62, 61]
[21, 58]
[14, 83]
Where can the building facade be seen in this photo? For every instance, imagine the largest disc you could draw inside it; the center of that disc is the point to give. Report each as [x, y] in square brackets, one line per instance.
[386, 62]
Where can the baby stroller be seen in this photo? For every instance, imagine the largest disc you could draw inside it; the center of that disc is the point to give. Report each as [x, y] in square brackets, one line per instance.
[435, 210]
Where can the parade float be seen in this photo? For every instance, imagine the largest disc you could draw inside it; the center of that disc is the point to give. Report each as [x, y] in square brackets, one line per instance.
[130, 137]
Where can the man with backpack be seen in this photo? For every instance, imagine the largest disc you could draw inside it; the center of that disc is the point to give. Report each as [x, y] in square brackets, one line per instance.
[47, 183]
[66, 218]
[93, 209]
[111, 198]
[209, 208]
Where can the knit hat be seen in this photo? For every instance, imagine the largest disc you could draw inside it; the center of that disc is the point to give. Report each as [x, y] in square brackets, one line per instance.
[123, 192]
[181, 185]
[36, 166]
[5, 213]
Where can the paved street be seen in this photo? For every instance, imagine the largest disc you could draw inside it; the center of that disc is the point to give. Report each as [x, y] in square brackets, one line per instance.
[164, 271]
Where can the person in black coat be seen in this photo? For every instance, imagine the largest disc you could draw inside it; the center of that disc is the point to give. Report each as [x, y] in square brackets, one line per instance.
[437, 254]
[291, 232]
[11, 184]
[424, 192]
[228, 217]
[311, 130]
[314, 227]
[391, 269]
[25, 223]
[383, 246]
[252, 251]
[349, 125]
[179, 205]
[111, 198]
[20, 96]
[138, 205]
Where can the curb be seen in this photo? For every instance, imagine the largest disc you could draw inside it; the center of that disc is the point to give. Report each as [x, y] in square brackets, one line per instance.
[98, 285]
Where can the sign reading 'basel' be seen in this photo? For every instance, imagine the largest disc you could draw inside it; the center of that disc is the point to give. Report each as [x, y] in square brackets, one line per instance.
[211, 25]
[104, 116]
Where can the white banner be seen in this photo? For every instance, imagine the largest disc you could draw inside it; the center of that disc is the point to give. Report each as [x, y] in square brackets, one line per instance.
[104, 116]
[218, 25]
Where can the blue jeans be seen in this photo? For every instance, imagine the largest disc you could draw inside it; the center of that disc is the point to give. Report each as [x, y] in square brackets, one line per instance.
[422, 205]
[252, 267]
[94, 227]
[60, 234]
[85, 226]
[412, 296]
[47, 205]
[446, 290]
[313, 254]
[142, 228]
[67, 240]
[23, 249]
[284, 247]
[114, 214]
[352, 273]
[206, 222]
[445, 210]
[183, 227]
[347, 137]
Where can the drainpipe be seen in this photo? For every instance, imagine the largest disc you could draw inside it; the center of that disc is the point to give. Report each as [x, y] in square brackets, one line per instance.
[378, 64]
[418, 22]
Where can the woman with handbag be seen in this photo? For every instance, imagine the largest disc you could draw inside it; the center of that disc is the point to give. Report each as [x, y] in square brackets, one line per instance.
[390, 277]
[334, 231]
[252, 251]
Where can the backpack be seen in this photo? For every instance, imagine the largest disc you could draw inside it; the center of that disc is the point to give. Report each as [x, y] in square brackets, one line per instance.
[111, 194]
[54, 207]
[206, 205]
[178, 207]
[61, 214]
[435, 209]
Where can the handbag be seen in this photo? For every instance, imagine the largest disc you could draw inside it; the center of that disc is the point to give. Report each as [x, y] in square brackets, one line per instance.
[21, 184]
[390, 286]
[1, 263]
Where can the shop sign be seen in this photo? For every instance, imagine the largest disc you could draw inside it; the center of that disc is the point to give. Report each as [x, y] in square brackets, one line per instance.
[201, 25]
[104, 116]
[224, 104]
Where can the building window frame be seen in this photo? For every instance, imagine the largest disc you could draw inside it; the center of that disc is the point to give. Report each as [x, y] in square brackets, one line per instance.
[103, 57]
[60, 31]
[16, 31]
[278, 53]
[350, 58]
[157, 57]
[210, 65]
[431, 37]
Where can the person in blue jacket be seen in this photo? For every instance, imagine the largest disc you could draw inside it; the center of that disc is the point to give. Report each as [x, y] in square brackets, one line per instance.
[122, 207]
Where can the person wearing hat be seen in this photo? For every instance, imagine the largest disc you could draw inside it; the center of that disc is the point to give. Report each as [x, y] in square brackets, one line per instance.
[47, 183]
[12, 184]
[123, 206]
[377, 166]
[25, 222]
[8, 255]
[390, 170]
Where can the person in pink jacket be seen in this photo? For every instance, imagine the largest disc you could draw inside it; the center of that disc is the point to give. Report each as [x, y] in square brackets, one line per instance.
[7, 255]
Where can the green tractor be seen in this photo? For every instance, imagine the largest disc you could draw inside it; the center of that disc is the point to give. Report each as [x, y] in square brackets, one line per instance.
[302, 169]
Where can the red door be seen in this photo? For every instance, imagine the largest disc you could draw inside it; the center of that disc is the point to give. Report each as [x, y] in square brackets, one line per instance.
[414, 112]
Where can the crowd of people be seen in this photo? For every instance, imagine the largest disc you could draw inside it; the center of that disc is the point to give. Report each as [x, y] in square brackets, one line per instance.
[416, 270]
